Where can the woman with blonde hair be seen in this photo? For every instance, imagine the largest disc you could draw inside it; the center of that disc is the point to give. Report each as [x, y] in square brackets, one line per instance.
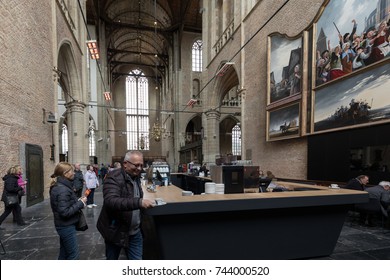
[65, 206]
[11, 188]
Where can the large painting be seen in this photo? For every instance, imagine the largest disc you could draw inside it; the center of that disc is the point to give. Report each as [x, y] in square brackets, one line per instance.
[361, 99]
[350, 35]
[283, 122]
[285, 67]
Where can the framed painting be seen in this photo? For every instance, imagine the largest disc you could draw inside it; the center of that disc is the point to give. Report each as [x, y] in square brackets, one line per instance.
[349, 36]
[284, 122]
[362, 99]
[284, 67]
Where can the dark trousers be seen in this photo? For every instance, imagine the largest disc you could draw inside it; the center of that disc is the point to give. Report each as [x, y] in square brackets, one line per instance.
[90, 198]
[17, 212]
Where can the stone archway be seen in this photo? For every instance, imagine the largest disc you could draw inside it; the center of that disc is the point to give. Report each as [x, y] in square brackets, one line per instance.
[71, 105]
[222, 85]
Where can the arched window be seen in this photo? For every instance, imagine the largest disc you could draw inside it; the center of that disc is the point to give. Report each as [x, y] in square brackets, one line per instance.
[197, 48]
[236, 140]
[137, 111]
[64, 148]
[91, 138]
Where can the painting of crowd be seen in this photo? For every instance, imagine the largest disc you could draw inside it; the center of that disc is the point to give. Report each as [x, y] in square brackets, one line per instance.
[359, 47]
[356, 111]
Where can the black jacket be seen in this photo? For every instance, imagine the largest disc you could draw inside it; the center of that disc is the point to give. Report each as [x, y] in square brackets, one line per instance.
[354, 184]
[78, 180]
[11, 186]
[115, 218]
[64, 203]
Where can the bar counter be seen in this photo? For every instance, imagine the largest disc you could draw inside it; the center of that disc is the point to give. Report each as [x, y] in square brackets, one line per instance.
[299, 224]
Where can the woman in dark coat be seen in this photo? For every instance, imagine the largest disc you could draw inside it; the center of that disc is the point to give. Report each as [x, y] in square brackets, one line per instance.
[12, 188]
[65, 206]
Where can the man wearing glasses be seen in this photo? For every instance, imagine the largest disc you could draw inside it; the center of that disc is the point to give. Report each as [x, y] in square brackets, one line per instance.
[120, 219]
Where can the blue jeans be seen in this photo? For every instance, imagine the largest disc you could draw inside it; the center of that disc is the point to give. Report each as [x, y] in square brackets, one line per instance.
[69, 247]
[133, 251]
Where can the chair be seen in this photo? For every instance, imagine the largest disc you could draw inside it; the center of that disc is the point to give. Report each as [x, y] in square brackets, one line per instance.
[264, 183]
[372, 207]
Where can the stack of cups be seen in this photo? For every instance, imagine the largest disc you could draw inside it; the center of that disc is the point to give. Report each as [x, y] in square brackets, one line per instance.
[209, 187]
[220, 188]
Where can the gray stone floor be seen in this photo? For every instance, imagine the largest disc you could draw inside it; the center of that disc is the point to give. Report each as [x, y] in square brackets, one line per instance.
[39, 241]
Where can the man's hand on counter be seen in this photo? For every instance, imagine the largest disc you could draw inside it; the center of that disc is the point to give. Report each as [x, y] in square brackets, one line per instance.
[146, 203]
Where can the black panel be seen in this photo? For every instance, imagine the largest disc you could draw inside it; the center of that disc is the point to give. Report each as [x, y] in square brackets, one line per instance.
[329, 153]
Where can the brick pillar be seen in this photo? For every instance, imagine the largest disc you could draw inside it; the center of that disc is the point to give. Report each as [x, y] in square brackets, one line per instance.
[211, 136]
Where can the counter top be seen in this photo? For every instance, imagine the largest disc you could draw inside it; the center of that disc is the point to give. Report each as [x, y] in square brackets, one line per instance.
[311, 196]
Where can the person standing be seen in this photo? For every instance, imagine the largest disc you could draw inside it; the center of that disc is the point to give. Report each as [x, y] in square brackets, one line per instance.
[119, 221]
[12, 188]
[22, 183]
[65, 206]
[91, 183]
[78, 181]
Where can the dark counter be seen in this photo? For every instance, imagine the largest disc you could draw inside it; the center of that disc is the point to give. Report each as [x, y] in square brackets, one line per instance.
[283, 225]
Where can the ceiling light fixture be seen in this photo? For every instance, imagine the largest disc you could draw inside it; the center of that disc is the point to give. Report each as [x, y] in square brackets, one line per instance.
[93, 49]
[107, 96]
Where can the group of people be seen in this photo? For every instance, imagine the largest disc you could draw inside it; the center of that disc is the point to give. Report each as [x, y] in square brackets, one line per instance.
[353, 52]
[379, 196]
[119, 221]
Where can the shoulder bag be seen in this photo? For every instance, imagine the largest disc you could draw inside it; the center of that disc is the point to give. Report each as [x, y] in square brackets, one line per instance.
[11, 200]
[82, 223]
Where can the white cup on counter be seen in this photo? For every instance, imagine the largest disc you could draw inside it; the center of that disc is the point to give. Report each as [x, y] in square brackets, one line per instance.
[187, 193]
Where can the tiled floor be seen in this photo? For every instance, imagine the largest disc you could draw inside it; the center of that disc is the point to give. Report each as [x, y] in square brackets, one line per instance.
[39, 240]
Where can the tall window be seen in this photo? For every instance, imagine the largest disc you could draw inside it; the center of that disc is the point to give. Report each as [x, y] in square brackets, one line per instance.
[197, 48]
[236, 140]
[137, 111]
[91, 138]
[64, 139]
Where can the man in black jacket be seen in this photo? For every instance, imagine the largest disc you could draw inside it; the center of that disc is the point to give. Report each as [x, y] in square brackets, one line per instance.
[120, 219]
[78, 181]
[357, 183]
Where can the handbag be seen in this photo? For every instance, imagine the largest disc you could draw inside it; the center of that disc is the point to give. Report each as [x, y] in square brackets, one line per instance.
[11, 200]
[82, 223]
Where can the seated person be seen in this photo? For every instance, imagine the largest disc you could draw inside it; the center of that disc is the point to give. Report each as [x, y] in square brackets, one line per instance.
[357, 183]
[261, 174]
[270, 175]
[204, 170]
[382, 194]
[272, 187]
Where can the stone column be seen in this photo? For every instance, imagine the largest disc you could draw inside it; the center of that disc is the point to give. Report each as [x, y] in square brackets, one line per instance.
[211, 136]
[78, 149]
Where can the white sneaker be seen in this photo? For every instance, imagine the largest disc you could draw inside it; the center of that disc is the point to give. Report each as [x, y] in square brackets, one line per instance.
[94, 205]
[90, 205]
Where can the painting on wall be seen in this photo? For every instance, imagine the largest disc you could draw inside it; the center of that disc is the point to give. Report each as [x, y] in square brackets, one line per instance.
[360, 99]
[284, 66]
[283, 123]
[350, 35]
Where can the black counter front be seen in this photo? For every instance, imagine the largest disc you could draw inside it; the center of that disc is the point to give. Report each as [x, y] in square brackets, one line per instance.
[285, 225]
[189, 182]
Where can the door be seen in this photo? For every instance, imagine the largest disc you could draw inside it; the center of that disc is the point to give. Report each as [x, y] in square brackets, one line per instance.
[34, 174]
